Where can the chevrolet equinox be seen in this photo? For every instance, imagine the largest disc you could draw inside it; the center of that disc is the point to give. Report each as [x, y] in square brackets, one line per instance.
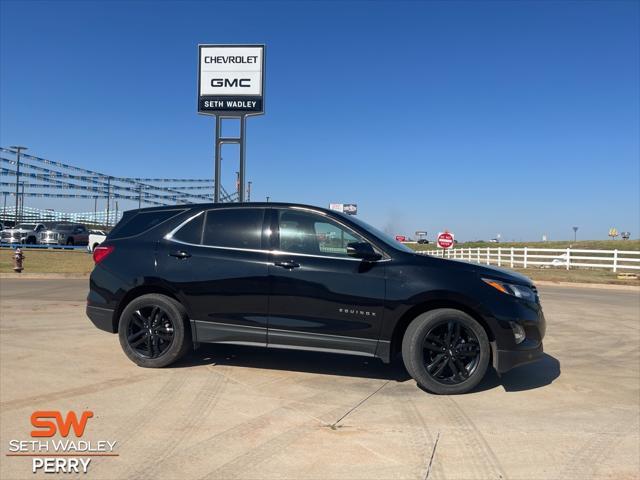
[294, 276]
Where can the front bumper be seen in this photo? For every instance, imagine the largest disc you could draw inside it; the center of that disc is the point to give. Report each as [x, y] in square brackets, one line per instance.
[508, 354]
[505, 360]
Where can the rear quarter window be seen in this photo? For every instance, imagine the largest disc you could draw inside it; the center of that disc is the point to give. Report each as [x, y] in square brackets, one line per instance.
[234, 228]
[141, 222]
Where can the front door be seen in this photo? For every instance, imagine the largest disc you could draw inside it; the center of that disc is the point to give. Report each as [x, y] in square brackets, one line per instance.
[322, 299]
[216, 263]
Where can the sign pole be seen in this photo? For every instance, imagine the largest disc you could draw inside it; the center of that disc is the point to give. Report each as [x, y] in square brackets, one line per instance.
[217, 161]
[242, 143]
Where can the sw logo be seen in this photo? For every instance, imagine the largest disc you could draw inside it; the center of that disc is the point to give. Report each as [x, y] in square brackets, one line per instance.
[45, 427]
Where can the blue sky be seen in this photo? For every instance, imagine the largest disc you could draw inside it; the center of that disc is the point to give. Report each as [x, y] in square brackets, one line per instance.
[513, 117]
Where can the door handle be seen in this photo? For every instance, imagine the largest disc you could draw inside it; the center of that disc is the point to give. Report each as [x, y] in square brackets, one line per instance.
[181, 254]
[288, 264]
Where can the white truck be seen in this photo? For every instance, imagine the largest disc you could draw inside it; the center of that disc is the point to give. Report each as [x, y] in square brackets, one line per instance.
[96, 237]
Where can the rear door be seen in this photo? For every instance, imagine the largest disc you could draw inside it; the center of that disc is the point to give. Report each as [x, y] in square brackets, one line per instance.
[321, 298]
[215, 261]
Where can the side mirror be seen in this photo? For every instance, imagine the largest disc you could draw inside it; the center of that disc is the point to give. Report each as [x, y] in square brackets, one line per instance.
[363, 250]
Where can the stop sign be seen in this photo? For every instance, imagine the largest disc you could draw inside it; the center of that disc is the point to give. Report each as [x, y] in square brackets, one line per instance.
[445, 240]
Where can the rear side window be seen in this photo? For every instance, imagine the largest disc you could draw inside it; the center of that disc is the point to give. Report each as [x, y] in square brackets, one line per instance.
[234, 228]
[192, 231]
[141, 222]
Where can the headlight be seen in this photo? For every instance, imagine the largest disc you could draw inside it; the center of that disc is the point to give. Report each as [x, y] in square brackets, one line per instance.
[519, 291]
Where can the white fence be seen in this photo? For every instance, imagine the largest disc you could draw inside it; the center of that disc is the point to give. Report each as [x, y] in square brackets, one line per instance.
[527, 257]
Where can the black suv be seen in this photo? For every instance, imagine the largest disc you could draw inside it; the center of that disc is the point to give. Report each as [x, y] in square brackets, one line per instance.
[295, 276]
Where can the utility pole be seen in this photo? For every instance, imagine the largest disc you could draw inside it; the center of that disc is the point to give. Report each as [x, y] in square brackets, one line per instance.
[268, 199]
[22, 202]
[139, 195]
[108, 198]
[18, 150]
[575, 233]
[249, 191]
[95, 211]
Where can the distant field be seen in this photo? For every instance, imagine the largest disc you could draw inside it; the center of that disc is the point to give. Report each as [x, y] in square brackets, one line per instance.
[575, 276]
[48, 261]
[582, 244]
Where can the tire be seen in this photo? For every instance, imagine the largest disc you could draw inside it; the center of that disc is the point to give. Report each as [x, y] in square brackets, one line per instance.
[154, 350]
[31, 241]
[70, 241]
[437, 364]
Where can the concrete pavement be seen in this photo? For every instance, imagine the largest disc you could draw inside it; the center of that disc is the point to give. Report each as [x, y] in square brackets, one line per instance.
[240, 412]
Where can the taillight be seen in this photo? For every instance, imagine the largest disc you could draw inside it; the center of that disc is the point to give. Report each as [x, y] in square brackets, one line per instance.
[102, 252]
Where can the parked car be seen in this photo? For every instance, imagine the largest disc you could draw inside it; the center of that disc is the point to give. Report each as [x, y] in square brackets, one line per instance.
[23, 233]
[168, 279]
[65, 234]
[423, 241]
[560, 260]
[96, 237]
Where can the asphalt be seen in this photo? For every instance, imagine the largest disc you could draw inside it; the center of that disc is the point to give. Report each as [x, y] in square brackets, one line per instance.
[240, 412]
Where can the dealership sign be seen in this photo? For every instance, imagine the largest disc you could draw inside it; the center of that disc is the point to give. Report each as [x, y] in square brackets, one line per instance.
[231, 79]
[445, 240]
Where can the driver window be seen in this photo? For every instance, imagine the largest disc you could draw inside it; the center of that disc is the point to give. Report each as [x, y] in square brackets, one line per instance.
[308, 233]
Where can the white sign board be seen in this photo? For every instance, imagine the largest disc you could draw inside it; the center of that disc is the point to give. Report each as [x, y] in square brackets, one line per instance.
[231, 79]
[348, 208]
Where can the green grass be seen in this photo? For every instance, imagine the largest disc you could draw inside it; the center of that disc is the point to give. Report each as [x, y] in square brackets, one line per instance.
[581, 244]
[49, 261]
[576, 276]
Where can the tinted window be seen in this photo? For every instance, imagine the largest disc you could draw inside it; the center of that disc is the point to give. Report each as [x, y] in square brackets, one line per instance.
[234, 227]
[303, 232]
[142, 222]
[192, 231]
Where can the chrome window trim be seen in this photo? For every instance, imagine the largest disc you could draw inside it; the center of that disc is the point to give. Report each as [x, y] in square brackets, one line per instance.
[169, 236]
[272, 252]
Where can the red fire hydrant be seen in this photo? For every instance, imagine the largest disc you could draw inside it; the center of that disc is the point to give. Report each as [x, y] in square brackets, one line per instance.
[18, 259]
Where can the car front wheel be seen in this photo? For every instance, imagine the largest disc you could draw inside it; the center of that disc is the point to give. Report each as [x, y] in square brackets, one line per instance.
[154, 331]
[446, 351]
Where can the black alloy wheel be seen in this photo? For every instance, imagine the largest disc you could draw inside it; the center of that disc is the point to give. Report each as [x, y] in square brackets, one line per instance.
[446, 351]
[451, 352]
[150, 332]
[154, 330]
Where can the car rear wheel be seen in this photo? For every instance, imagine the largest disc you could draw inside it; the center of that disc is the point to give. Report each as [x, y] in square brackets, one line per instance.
[154, 331]
[446, 351]
[70, 241]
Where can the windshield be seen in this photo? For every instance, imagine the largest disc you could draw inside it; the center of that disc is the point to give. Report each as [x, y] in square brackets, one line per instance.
[386, 238]
[63, 227]
[27, 226]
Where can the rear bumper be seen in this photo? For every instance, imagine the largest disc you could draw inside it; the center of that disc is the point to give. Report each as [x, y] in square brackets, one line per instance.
[505, 360]
[101, 318]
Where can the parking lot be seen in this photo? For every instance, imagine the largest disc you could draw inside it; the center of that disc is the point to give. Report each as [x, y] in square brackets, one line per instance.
[240, 412]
